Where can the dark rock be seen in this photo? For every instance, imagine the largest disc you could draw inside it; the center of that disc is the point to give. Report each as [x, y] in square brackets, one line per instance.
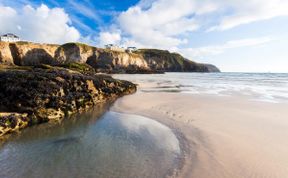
[48, 93]
[163, 60]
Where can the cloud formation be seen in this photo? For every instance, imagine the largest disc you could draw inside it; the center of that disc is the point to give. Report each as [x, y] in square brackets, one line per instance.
[40, 24]
[159, 23]
[250, 11]
[218, 49]
[109, 38]
[167, 23]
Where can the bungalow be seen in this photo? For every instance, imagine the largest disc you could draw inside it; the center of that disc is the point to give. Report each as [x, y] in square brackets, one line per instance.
[131, 49]
[9, 37]
[114, 48]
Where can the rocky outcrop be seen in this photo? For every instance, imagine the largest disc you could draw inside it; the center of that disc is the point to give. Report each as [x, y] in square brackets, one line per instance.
[211, 68]
[163, 60]
[102, 60]
[5, 54]
[33, 95]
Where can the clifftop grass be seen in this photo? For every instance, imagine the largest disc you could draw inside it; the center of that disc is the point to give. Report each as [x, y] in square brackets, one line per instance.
[85, 48]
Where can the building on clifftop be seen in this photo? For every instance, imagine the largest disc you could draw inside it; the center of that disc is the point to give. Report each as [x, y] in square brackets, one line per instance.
[131, 49]
[114, 48]
[9, 37]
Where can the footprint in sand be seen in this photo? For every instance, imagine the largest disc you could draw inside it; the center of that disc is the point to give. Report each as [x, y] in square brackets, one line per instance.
[190, 120]
[166, 111]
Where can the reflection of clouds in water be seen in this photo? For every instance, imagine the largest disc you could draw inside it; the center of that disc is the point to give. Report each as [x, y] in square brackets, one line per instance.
[116, 145]
[161, 134]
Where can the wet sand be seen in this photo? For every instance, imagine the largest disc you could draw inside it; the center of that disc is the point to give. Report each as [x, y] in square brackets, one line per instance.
[228, 137]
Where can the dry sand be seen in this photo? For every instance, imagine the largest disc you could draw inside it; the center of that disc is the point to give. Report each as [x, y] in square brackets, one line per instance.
[229, 137]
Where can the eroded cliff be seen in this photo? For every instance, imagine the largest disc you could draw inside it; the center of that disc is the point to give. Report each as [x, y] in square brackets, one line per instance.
[102, 60]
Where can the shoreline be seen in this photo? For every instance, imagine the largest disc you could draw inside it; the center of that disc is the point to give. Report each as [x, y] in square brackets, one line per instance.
[227, 136]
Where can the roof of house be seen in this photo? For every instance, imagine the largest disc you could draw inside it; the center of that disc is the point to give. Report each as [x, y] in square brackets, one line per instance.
[110, 45]
[10, 35]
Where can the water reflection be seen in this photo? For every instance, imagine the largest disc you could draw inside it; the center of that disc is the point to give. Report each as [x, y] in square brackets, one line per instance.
[116, 145]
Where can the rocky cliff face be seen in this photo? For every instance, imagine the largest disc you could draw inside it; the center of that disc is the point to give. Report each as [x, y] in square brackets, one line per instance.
[5, 54]
[100, 59]
[142, 61]
[163, 60]
[27, 54]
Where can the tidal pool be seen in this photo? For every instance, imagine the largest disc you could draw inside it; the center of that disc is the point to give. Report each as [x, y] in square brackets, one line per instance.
[92, 145]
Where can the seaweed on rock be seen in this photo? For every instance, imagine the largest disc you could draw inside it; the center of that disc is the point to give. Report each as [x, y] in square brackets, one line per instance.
[42, 93]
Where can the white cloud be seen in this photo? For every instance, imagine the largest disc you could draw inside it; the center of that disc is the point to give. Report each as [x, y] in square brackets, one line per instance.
[221, 48]
[159, 23]
[40, 24]
[167, 23]
[109, 38]
[251, 11]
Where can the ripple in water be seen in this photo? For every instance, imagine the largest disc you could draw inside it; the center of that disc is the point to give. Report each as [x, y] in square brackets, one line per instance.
[116, 145]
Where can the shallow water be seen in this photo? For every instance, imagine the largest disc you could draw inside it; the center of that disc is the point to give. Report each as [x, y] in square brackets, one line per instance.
[114, 145]
[270, 87]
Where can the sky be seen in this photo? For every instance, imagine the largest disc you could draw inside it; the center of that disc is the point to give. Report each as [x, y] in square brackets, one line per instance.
[234, 36]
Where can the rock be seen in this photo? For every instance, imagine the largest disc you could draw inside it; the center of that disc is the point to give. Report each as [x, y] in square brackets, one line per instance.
[45, 93]
[211, 68]
[5, 54]
[163, 60]
[48, 114]
[10, 122]
[27, 54]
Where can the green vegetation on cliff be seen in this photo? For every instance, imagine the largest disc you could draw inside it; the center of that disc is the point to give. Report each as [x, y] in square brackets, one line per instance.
[173, 62]
[82, 68]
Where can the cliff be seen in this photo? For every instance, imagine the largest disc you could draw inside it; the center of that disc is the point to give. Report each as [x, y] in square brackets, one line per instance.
[163, 60]
[102, 60]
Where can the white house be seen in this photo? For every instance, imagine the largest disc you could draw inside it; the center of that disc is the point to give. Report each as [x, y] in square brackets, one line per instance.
[131, 49]
[121, 49]
[9, 37]
[114, 48]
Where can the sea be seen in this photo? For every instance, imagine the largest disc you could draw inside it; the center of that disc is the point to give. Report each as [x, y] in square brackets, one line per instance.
[268, 87]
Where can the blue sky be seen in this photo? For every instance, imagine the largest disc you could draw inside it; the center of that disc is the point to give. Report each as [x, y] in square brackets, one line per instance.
[235, 36]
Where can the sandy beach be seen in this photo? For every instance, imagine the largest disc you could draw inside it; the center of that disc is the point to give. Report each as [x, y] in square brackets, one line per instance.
[228, 137]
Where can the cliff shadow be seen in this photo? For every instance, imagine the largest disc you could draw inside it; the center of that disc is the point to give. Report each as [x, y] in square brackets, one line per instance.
[92, 60]
[68, 53]
[15, 54]
[101, 61]
[1, 58]
[38, 56]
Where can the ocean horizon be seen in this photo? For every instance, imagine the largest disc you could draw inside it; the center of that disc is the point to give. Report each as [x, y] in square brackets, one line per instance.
[268, 87]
